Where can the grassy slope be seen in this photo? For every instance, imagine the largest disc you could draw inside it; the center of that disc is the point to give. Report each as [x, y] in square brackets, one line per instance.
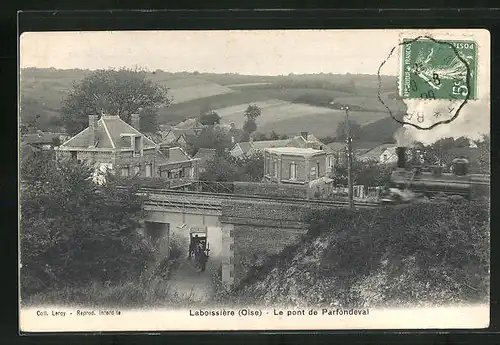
[407, 255]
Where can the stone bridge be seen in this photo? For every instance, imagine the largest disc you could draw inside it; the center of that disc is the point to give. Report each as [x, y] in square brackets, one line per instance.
[241, 228]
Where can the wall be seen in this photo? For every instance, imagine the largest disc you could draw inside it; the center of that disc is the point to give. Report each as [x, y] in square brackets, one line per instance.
[158, 234]
[177, 220]
[285, 167]
[269, 189]
[252, 245]
[118, 159]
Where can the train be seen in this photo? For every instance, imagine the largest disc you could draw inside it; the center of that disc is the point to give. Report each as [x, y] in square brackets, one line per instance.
[414, 182]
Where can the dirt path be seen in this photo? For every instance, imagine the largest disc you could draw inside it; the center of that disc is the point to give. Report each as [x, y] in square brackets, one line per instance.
[188, 282]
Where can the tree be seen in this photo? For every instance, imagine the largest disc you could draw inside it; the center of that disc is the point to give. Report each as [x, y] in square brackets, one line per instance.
[354, 128]
[73, 231]
[251, 114]
[369, 174]
[211, 138]
[117, 92]
[210, 118]
[484, 158]
[274, 136]
[227, 168]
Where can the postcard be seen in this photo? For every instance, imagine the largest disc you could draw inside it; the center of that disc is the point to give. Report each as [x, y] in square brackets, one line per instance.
[254, 180]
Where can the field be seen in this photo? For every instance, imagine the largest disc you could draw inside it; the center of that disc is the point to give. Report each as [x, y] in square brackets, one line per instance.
[324, 124]
[289, 104]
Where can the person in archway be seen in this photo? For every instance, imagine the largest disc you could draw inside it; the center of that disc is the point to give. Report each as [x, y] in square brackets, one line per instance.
[192, 246]
[201, 256]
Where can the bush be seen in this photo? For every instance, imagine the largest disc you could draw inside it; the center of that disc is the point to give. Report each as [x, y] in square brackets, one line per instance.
[74, 232]
[429, 253]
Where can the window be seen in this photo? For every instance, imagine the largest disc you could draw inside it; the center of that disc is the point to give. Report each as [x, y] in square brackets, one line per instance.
[293, 171]
[317, 169]
[73, 154]
[313, 171]
[137, 144]
[124, 171]
[275, 169]
[149, 169]
[137, 170]
[169, 174]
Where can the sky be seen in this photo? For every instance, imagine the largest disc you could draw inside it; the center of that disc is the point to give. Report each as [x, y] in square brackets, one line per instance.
[245, 52]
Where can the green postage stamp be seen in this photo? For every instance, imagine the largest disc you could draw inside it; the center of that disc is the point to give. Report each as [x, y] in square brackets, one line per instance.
[438, 69]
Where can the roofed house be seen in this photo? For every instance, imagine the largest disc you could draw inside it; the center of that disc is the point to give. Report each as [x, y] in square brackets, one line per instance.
[294, 165]
[44, 140]
[181, 133]
[307, 140]
[112, 144]
[304, 140]
[204, 155]
[174, 163]
[384, 154]
[249, 147]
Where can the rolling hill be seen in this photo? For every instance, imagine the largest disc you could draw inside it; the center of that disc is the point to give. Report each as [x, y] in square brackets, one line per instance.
[289, 103]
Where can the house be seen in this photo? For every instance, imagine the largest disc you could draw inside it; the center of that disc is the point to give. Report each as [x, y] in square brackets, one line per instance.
[384, 154]
[338, 152]
[307, 140]
[177, 137]
[43, 140]
[175, 163]
[112, 144]
[194, 124]
[249, 147]
[178, 134]
[204, 155]
[294, 165]
[304, 140]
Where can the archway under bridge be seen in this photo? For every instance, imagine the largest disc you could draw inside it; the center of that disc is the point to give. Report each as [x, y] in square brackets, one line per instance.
[166, 224]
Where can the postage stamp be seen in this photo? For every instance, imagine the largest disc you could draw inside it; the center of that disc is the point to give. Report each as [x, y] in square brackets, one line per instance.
[439, 69]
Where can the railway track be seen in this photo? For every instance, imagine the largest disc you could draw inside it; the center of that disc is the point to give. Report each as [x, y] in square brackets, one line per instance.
[229, 196]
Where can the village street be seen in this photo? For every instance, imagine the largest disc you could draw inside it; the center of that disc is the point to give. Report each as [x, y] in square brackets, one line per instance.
[189, 283]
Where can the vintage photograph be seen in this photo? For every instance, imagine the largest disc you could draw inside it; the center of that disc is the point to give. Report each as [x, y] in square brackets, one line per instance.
[254, 180]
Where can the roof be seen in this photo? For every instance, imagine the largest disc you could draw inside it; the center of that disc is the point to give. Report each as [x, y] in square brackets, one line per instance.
[108, 133]
[244, 146]
[205, 154]
[175, 154]
[264, 144]
[294, 151]
[377, 151]
[311, 138]
[41, 137]
[189, 124]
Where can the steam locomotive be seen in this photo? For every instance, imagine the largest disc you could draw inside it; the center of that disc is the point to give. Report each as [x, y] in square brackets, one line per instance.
[412, 182]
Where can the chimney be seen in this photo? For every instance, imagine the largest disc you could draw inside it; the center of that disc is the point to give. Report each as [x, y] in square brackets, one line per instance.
[304, 135]
[135, 121]
[401, 153]
[232, 140]
[92, 130]
[250, 139]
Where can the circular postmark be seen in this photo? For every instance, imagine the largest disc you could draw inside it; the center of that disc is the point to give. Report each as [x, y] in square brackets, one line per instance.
[436, 80]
